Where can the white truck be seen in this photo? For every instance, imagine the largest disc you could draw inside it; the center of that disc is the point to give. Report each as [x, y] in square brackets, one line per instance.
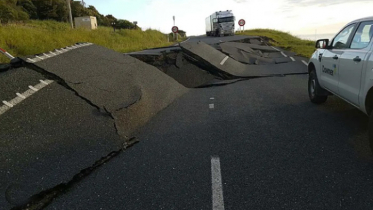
[220, 23]
[344, 67]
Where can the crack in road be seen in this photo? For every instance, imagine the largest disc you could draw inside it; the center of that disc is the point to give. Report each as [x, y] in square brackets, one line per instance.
[44, 198]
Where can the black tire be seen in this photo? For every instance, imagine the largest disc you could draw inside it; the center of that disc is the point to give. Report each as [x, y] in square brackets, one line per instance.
[314, 88]
[370, 131]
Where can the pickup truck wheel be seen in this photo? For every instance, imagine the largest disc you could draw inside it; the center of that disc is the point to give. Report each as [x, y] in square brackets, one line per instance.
[314, 88]
[370, 131]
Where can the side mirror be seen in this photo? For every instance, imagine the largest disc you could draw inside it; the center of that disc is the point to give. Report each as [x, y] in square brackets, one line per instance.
[322, 43]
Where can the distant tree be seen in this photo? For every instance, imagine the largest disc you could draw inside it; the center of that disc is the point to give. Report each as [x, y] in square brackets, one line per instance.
[125, 24]
[51, 9]
[9, 11]
[78, 10]
[28, 7]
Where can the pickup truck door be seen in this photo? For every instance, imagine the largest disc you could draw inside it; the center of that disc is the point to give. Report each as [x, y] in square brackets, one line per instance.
[329, 65]
[329, 74]
[352, 61]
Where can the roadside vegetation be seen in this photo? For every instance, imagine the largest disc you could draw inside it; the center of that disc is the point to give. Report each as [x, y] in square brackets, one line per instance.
[42, 36]
[284, 40]
[30, 27]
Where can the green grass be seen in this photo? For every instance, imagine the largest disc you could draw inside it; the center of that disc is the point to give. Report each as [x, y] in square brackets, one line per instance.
[284, 40]
[41, 36]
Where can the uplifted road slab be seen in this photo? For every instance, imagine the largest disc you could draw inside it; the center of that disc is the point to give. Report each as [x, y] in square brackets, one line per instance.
[127, 88]
[217, 61]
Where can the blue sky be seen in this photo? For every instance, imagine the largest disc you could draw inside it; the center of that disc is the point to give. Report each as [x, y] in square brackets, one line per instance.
[294, 16]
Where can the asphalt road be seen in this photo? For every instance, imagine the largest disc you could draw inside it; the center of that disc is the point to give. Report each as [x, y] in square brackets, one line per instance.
[253, 144]
[277, 151]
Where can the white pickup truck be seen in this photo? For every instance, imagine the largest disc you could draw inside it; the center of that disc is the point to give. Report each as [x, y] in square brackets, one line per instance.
[344, 67]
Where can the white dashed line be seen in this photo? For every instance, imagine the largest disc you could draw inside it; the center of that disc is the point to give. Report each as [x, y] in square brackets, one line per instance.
[211, 106]
[305, 63]
[224, 60]
[46, 55]
[21, 96]
[217, 187]
[212, 98]
[284, 54]
[292, 58]
[8, 104]
[275, 48]
[32, 88]
[52, 53]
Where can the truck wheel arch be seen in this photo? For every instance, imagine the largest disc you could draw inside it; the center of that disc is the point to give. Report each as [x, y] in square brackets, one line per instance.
[369, 101]
[311, 67]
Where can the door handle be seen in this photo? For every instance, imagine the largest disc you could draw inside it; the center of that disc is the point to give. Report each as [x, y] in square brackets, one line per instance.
[335, 57]
[357, 59]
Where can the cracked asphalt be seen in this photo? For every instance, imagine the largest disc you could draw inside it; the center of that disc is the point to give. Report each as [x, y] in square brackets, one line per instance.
[277, 150]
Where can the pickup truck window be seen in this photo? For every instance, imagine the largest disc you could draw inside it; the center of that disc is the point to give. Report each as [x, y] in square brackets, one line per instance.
[363, 35]
[341, 40]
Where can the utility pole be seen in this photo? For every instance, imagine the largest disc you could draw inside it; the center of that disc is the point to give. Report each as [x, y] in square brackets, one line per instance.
[70, 14]
[173, 17]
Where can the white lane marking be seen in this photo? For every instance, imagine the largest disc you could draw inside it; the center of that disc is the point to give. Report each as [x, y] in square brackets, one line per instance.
[3, 109]
[275, 48]
[46, 55]
[32, 88]
[211, 106]
[185, 40]
[284, 54]
[212, 98]
[39, 57]
[30, 60]
[217, 187]
[52, 53]
[292, 58]
[305, 63]
[20, 95]
[220, 41]
[42, 81]
[8, 104]
[223, 61]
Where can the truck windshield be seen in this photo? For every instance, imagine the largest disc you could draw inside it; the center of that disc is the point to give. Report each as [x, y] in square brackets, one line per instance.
[226, 19]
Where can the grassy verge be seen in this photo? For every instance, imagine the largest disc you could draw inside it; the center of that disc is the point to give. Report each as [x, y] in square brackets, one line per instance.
[285, 40]
[41, 36]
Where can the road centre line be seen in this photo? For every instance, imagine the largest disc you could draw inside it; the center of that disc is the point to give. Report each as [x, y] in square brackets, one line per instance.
[292, 58]
[275, 48]
[212, 98]
[211, 106]
[217, 187]
[284, 54]
[224, 60]
[305, 63]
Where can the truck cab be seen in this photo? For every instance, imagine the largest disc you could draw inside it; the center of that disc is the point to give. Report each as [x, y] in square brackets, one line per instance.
[344, 67]
[220, 24]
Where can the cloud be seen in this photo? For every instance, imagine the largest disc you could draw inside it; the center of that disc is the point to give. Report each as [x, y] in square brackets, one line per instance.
[306, 3]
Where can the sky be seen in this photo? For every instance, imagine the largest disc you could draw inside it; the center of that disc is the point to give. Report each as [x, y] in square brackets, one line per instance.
[294, 16]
